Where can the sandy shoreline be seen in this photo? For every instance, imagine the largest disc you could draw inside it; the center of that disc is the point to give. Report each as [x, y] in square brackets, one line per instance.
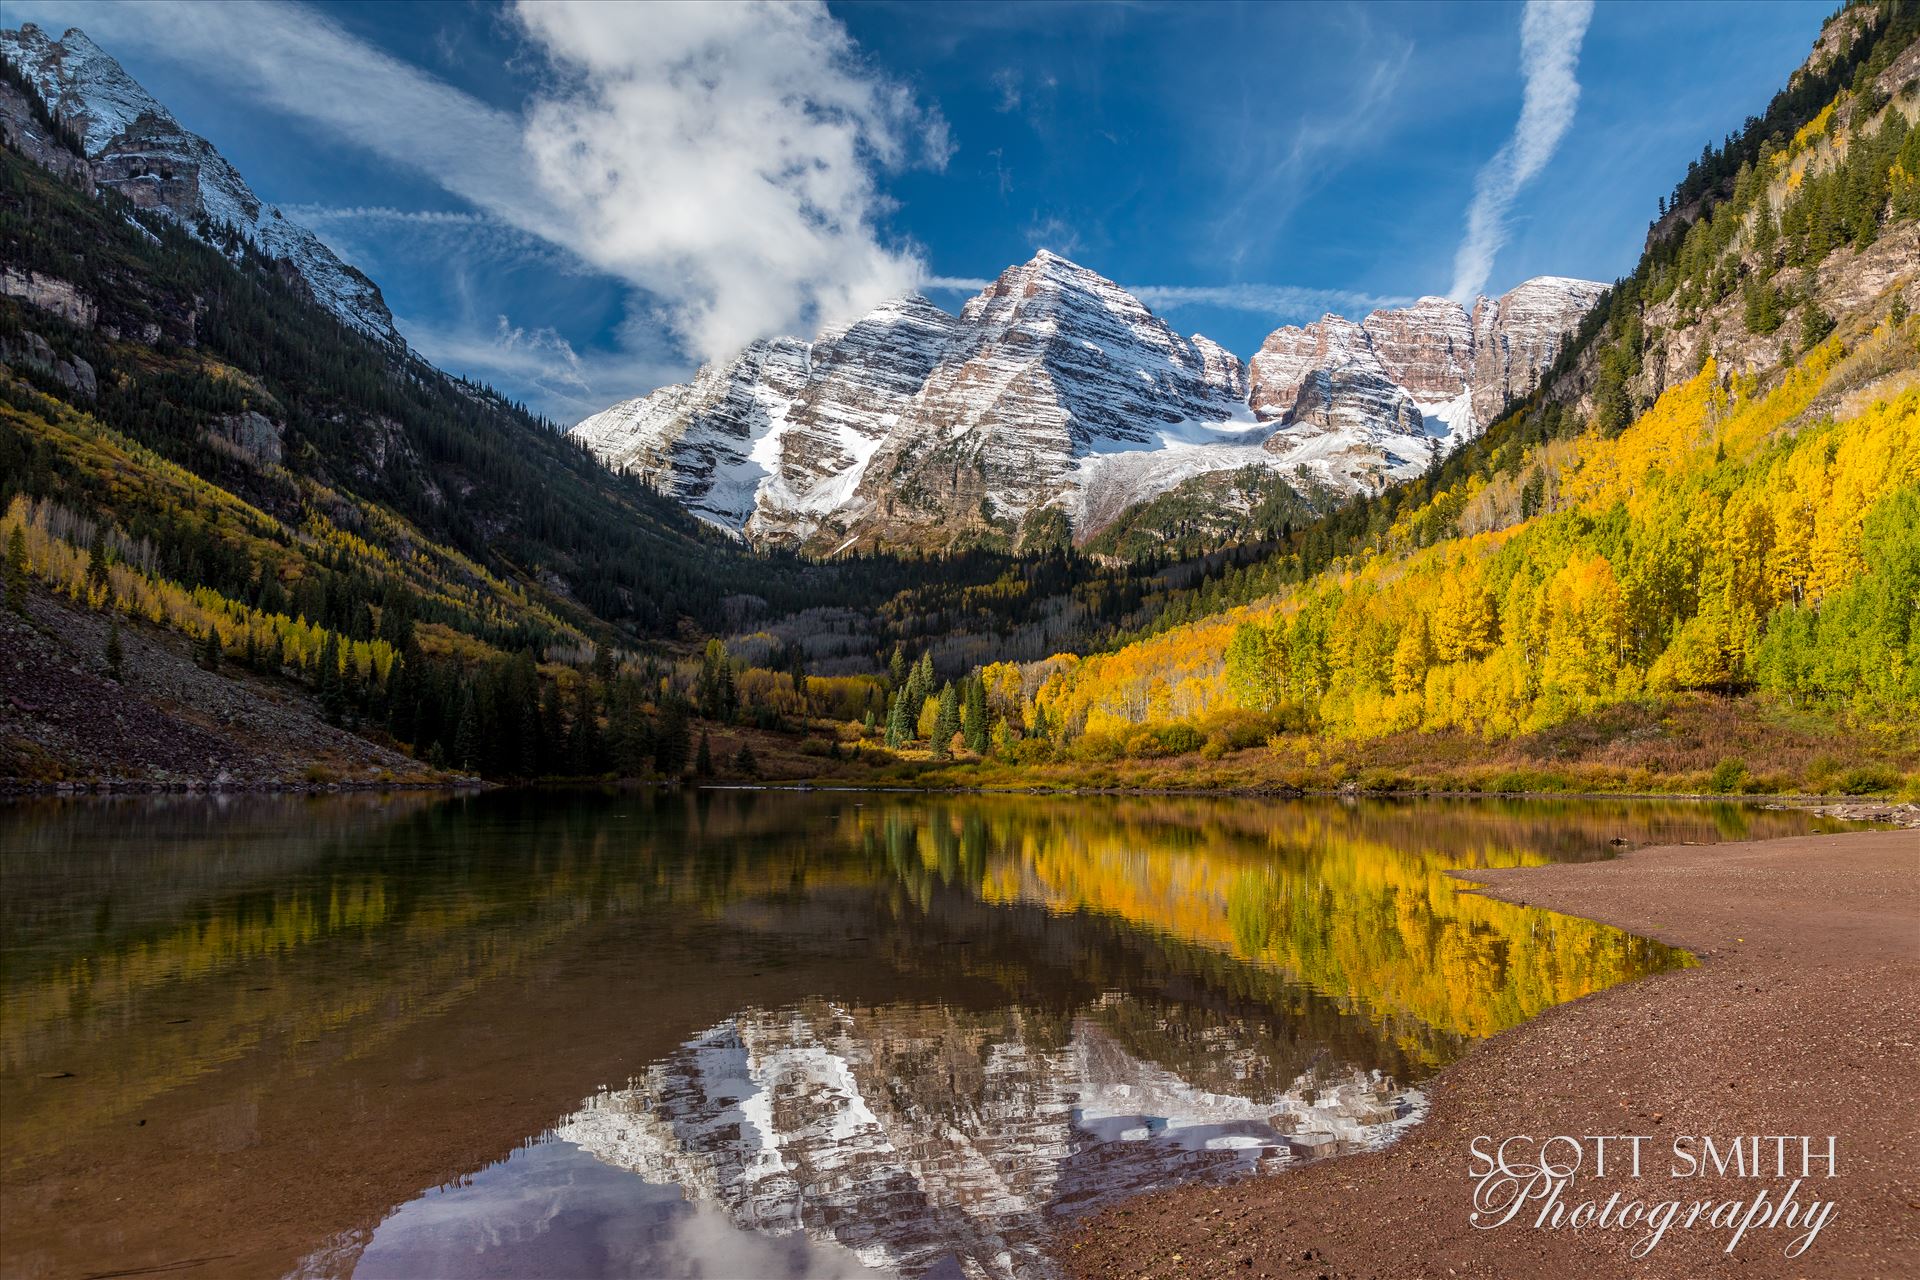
[1803, 1018]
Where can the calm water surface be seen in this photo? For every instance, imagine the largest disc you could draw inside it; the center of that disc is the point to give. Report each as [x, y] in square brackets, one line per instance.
[733, 1033]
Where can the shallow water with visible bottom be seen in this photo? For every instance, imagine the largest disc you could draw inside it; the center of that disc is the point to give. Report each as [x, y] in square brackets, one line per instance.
[735, 1033]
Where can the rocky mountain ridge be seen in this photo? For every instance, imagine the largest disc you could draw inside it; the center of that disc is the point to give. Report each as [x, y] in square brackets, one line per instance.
[1056, 390]
[137, 148]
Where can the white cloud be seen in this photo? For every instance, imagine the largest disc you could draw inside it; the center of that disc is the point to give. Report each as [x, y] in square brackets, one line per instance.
[1273, 164]
[1050, 231]
[415, 235]
[1550, 36]
[956, 284]
[725, 159]
[722, 158]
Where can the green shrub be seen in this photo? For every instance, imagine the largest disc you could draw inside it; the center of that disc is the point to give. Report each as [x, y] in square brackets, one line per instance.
[1727, 776]
[1868, 778]
[1179, 739]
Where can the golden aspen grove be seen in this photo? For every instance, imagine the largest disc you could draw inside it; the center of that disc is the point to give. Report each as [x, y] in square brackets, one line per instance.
[1709, 546]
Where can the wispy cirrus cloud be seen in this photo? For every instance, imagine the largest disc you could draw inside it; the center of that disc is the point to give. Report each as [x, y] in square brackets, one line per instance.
[318, 213]
[1275, 169]
[562, 381]
[1551, 32]
[456, 237]
[725, 159]
[1006, 82]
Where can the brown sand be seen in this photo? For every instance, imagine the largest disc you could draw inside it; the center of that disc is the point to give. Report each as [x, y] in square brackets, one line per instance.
[1800, 1019]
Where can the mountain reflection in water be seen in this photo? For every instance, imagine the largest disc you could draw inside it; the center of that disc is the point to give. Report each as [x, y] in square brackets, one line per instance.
[808, 1034]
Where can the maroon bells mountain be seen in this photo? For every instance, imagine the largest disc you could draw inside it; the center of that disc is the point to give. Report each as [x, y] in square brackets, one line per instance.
[1056, 389]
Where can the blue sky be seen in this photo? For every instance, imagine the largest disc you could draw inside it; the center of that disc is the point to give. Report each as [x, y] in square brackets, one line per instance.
[578, 202]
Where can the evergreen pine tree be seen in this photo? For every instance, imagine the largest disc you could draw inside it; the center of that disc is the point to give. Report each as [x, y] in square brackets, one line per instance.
[897, 669]
[946, 721]
[745, 764]
[333, 692]
[973, 717]
[97, 560]
[552, 733]
[703, 762]
[919, 684]
[466, 735]
[899, 728]
[114, 654]
[586, 753]
[1815, 325]
[1766, 235]
[17, 571]
[670, 738]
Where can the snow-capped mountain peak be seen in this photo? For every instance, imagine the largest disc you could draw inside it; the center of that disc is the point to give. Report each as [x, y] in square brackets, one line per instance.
[1056, 388]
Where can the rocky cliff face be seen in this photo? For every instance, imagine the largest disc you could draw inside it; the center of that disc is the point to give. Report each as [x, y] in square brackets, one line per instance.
[32, 139]
[1055, 365]
[1426, 348]
[778, 438]
[1431, 367]
[1517, 335]
[138, 149]
[1055, 388]
[1328, 375]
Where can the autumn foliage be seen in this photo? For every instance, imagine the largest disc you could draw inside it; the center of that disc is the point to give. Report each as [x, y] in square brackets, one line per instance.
[1739, 535]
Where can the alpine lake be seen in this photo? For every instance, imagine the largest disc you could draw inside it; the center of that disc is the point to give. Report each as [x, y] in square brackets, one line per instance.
[726, 1033]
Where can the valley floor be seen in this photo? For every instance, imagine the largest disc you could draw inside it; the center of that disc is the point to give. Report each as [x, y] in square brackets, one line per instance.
[1799, 1020]
[1689, 744]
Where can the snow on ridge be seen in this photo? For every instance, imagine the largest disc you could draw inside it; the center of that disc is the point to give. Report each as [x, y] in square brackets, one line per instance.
[140, 149]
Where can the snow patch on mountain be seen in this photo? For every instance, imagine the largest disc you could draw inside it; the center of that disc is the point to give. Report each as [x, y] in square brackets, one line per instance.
[139, 149]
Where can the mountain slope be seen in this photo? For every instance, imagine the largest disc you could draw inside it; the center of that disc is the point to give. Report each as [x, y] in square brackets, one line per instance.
[1715, 490]
[138, 149]
[190, 444]
[1055, 390]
